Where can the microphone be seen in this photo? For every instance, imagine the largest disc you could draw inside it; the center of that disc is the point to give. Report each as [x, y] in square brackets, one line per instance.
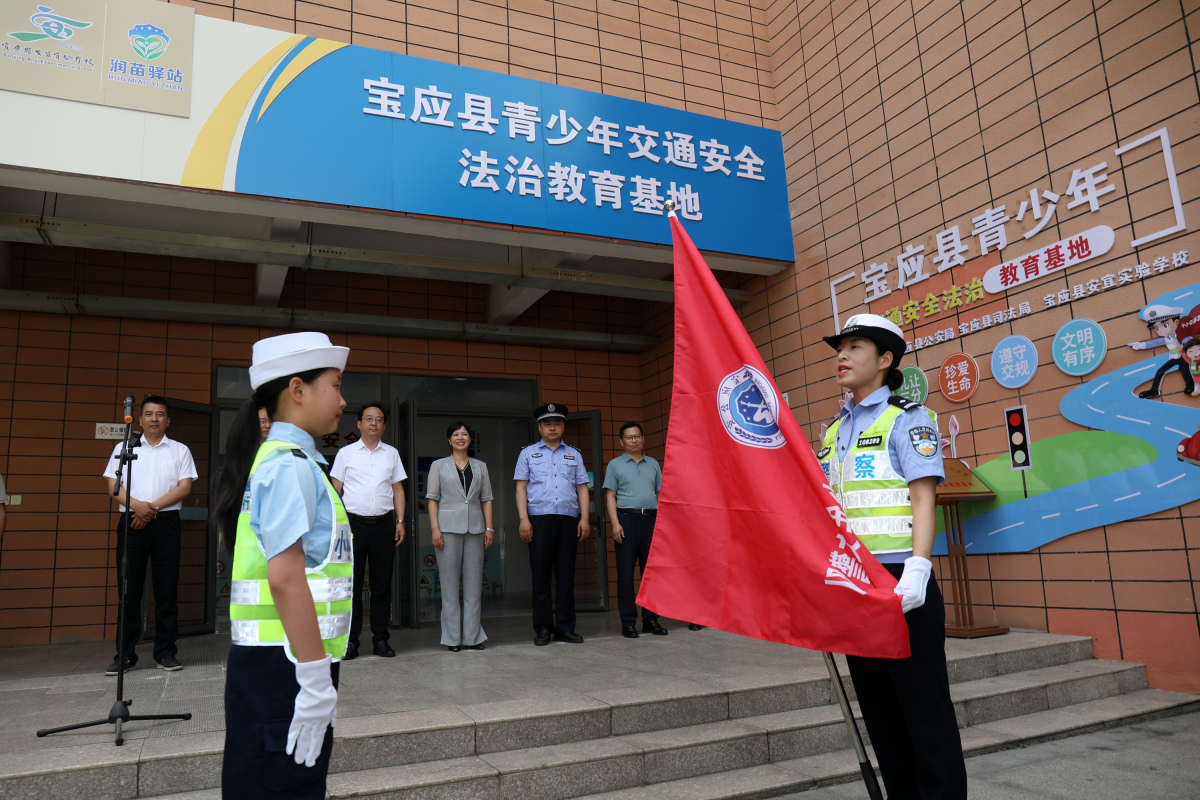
[128, 409]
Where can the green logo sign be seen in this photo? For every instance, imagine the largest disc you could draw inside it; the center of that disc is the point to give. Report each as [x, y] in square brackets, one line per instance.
[53, 26]
[148, 41]
[915, 387]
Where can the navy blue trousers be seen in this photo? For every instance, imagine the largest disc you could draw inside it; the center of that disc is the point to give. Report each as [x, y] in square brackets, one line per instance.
[552, 554]
[633, 549]
[906, 705]
[260, 696]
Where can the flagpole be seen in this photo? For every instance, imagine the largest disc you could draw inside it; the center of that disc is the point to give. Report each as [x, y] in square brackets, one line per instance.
[864, 763]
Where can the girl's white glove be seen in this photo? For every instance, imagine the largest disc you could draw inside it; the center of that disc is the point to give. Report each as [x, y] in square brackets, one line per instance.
[316, 709]
[911, 587]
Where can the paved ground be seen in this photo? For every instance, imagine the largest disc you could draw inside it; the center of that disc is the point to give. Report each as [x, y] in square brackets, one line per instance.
[1157, 760]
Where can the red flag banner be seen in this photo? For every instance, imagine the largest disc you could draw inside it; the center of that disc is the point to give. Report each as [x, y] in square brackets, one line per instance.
[749, 538]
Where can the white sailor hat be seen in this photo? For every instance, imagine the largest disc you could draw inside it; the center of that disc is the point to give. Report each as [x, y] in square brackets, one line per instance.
[1152, 315]
[293, 353]
[878, 329]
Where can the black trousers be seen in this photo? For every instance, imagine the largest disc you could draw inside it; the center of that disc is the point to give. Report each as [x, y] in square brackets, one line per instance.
[374, 545]
[1173, 363]
[633, 549]
[906, 705]
[158, 545]
[260, 698]
[552, 552]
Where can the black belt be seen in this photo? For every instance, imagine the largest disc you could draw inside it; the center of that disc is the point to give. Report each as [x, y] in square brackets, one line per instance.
[369, 520]
[645, 512]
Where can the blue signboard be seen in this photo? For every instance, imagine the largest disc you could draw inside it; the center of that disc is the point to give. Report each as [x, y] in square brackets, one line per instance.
[1079, 347]
[1014, 361]
[373, 129]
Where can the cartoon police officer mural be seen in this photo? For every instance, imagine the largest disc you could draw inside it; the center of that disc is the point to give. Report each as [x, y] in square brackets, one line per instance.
[1163, 322]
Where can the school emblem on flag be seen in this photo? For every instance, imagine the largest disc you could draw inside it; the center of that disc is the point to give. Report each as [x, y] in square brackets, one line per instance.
[749, 408]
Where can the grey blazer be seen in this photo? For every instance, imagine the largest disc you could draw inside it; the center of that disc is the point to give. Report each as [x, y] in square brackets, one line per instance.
[459, 512]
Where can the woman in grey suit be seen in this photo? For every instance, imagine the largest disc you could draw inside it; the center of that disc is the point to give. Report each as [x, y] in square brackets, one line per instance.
[460, 514]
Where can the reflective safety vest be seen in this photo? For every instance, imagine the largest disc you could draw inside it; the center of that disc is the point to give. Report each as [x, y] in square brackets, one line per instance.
[253, 618]
[873, 495]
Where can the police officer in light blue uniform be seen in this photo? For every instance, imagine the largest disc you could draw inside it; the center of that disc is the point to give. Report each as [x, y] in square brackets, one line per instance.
[553, 503]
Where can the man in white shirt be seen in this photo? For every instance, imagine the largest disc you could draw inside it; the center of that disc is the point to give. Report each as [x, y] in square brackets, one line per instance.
[162, 478]
[370, 477]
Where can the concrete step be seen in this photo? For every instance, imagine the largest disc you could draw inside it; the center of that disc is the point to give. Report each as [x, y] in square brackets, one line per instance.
[984, 673]
[808, 737]
[840, 766]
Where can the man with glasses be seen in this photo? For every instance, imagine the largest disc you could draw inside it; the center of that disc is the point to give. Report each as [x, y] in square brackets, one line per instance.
[370, 477]
[632, 483]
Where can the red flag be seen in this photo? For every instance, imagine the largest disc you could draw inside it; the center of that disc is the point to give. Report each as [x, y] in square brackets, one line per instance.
[749, 539]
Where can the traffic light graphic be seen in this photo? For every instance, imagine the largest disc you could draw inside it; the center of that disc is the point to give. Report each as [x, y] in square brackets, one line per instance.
[1018, 437]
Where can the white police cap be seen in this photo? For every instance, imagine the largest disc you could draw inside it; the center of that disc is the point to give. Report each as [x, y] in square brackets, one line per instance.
[293, 353]
[1156, 313]
[878, 329]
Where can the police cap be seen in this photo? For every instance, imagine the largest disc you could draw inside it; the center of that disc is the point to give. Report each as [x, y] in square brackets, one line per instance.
[548, 412]
[880, 330]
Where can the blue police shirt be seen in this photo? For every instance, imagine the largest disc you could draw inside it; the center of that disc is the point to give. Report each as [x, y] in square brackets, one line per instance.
[289, 499]
[903, 453]
[553, 475]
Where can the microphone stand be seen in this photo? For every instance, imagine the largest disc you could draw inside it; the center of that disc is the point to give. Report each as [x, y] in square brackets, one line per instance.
[119, 714]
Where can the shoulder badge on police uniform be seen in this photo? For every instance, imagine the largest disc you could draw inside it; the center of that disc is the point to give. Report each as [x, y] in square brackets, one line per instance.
[925, 441]
[903, 403]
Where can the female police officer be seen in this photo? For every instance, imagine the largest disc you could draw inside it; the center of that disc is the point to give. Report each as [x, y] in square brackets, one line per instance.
[293, 571]
[882, 456]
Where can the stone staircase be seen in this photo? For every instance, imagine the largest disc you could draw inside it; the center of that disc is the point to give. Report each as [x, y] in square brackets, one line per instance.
[746, 742]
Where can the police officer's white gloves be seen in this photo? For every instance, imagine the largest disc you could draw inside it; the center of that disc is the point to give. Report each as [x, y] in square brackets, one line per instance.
[316, 710]
[911, 587]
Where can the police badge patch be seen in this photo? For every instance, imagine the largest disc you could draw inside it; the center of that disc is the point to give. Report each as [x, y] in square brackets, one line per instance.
[925, 441]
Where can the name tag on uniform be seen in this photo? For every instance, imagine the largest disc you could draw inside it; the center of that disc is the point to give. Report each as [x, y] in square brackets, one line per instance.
[569, 457]
[824, 452]
[869, 441]
[342, 551]
[535, 455]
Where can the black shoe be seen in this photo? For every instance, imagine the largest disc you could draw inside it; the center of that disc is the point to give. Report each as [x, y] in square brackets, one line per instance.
[572, 637]
[542, 638]
[652, 626]
[351, 651]
[1149, 394]
[475, 646]
[170, 664]
[629, 632]
[384, 649]
[112, 668]
[694, 627]
[453, 648]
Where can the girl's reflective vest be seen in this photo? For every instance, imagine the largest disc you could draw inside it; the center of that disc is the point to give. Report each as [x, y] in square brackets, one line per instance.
[873, 495]
[253, 618]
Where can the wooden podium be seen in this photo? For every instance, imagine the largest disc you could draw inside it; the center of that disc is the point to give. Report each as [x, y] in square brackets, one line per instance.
[961, 485]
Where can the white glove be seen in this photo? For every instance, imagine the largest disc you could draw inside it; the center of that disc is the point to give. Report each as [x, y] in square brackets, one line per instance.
[316, 709]
[911, 587]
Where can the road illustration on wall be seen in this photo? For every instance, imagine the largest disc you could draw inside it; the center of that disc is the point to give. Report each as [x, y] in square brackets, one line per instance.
[1128, 465]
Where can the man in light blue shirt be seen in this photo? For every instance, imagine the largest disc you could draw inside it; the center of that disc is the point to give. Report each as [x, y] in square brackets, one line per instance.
[632, 483]
[552, 491]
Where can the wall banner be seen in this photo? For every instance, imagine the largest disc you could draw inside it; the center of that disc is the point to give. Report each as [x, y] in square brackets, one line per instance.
[134, 54]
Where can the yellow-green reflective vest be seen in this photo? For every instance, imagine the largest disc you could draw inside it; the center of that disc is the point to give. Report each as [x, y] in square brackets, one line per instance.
[253, 617]
[873, 495]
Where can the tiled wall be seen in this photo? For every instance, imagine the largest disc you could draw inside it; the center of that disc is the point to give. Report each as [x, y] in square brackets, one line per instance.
[59, 375]
[903, 117]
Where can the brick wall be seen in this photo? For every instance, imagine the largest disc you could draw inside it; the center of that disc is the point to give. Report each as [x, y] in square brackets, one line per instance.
[61, 374]
[903, 117]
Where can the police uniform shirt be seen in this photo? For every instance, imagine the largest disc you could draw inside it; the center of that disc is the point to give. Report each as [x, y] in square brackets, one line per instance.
[910, 428]
[289, 499]
[635, 483]
[553, 475]
[156, 470]
[367, 477]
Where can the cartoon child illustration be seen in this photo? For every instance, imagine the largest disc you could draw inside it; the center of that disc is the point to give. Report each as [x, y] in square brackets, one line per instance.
[1191, 354]
[1163, 321]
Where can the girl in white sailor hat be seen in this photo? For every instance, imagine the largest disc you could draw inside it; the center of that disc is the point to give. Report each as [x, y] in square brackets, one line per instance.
[292, 574]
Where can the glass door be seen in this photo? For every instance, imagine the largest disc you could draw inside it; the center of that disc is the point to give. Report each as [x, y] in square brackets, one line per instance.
[407, 574]
[591, 563]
